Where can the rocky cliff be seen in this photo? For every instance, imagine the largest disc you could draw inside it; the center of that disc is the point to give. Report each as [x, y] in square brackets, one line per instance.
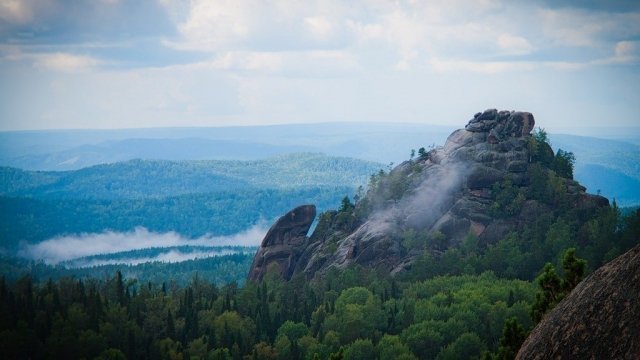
[600, 319]
[484, 182]
[283, 243]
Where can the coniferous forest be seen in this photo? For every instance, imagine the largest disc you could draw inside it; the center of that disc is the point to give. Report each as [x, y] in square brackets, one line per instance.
[319, 180]
[468, 303]
[455, 302]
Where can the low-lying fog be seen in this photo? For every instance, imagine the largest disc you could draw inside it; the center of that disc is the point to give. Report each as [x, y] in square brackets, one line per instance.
[66, 248]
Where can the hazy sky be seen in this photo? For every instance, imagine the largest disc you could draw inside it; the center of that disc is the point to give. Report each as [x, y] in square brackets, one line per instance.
[148, 63]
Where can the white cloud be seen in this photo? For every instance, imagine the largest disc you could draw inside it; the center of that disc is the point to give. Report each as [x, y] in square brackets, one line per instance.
[319, 26]
[16, 11]
[489, 67]
[288, 63]
[514, 45]
[65, 248]
[406, 34]
[495, 67]
[294, 61]
[253, 61]
[583, 28]
[65, 62]
[55, 61]
[214, 24]
[626, 52]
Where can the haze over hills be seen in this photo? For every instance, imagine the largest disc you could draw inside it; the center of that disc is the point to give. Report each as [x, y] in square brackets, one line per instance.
[241, 179]
[73, 149]
[136, 179]
[437, 259]
[608, 164]
[192, 198]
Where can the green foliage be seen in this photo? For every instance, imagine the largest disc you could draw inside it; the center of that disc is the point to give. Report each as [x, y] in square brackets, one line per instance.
[219, 270]
[563, 164]
[346, 205]
[392, 348]
[345, 217]
[159, 178]
[507, 198]
[540, 135]
[358, 314]
[552, 289]
[191, 216]
[513, 335]
[444, 317]
[192, 198]
[361, 349]
[423, 340]
[467, 346]
[540, 149]
[550, 292]
[574, 270]
[411, 239]
[437, 240]
[293, 331]
[347, 313]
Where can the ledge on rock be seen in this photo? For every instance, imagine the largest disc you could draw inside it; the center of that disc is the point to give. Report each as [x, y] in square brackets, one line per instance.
[284, 243]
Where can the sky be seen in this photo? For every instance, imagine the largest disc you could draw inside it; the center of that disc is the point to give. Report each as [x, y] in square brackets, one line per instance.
[175, 63]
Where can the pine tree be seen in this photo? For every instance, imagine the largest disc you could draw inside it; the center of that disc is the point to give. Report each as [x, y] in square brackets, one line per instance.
[513, 335]
[171, 329]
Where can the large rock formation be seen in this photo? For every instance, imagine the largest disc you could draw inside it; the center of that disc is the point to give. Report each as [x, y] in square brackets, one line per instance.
[284, 243]
[600, 319]
[448, 191]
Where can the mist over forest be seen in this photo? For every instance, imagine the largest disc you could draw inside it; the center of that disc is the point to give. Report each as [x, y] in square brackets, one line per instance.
[319, 180]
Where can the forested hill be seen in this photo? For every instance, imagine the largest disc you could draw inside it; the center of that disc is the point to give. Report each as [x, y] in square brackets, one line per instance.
[191, 198]
[157, 178]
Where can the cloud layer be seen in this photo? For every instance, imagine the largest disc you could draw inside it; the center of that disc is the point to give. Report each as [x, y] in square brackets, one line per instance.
[66, 248]
[173, 63]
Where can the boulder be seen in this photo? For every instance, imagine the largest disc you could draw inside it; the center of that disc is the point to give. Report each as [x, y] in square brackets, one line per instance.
[599, 319]
[283, 244]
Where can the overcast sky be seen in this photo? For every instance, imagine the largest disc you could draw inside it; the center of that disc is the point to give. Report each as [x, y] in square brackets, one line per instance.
[151, 63]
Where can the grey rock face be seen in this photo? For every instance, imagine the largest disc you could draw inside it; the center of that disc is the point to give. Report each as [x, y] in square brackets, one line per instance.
[284, 243]
[501, 125]
[447, 191]
[599, 319]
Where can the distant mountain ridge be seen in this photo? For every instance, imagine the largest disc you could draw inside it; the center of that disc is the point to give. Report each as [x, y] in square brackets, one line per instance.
[74, 149]
[161, 178]
[192, 198]
[377, 142]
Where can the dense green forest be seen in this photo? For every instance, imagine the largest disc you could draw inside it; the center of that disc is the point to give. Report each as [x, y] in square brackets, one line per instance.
[156, 178]
[195, 215]
[468, 301]
[354, 313]
[219, 270]
[456, 301]
[192, 198]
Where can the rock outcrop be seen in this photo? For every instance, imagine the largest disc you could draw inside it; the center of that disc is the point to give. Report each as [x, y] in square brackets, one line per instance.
[284, 243]
[599, 319]
[448, 191]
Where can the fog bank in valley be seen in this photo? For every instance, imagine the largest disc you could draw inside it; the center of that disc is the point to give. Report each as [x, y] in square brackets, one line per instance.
[69, 247]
